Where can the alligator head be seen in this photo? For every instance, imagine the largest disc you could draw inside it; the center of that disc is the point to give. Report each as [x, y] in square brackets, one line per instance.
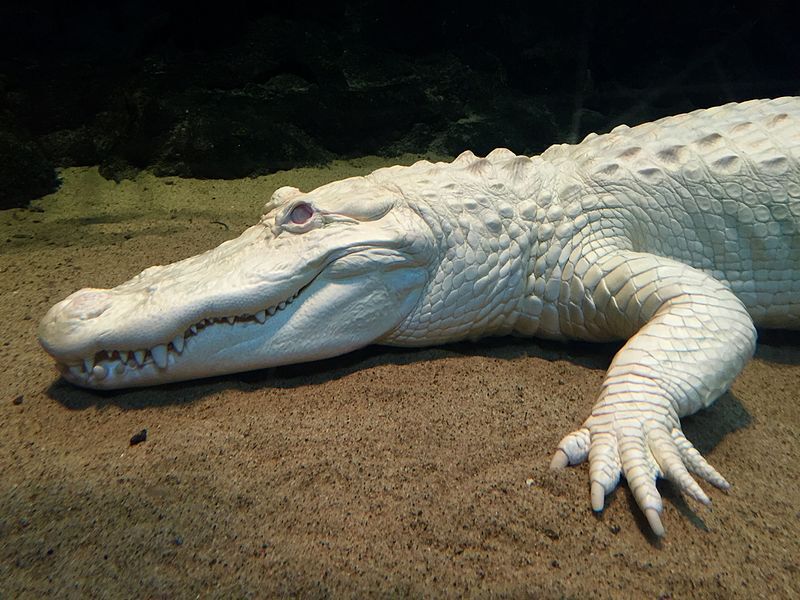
[321, 274]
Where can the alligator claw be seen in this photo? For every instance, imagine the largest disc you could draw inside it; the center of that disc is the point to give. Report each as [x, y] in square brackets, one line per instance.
[641, 451]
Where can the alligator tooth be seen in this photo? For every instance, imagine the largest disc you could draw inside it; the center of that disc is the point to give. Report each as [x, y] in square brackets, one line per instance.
[178, 343]
[271, 310]
[193, 329]
[282, 305]
[160, 355]
[139, 356]
[88, 364]
[230, 320]
[290, 300]
[119, 368]
[99, 372]
[261, 316]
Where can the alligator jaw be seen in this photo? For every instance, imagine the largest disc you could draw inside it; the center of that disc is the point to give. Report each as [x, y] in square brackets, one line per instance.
[146, 365]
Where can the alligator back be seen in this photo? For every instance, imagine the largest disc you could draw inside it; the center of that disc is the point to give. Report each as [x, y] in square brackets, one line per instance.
[718, 189]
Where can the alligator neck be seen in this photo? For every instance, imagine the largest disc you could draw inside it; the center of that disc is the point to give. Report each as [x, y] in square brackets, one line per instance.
[485, 215]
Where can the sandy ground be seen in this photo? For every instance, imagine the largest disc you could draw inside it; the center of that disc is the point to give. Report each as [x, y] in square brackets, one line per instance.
[382, 473]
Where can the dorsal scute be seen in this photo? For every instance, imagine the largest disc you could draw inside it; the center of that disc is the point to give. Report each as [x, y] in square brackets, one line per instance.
[499, 154]
[480, 167]
[465, 158]
[499, 173]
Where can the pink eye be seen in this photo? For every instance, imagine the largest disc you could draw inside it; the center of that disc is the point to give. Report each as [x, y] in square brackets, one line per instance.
[301, 214]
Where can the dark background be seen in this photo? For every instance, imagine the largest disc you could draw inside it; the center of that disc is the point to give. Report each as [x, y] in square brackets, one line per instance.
[246, 88]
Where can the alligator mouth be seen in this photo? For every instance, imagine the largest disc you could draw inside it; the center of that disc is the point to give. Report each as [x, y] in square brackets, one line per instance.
[121, 363]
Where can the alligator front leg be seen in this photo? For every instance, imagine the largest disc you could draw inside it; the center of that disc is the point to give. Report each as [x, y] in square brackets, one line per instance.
[694, 336]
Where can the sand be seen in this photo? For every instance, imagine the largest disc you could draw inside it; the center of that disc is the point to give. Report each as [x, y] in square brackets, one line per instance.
[382, 473]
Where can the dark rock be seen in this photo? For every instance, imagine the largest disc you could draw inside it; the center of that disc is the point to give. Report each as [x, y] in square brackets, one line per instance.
[251, 88]
[25, 172]
[139, 437]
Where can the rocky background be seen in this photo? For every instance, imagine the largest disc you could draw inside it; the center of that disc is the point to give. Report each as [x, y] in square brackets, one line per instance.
[248, 88]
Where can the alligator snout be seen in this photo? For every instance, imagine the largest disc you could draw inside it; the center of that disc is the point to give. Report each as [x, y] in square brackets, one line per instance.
[61, 328]
[85, 304]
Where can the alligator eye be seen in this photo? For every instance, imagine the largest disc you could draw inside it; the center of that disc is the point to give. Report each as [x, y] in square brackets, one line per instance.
[301, 214]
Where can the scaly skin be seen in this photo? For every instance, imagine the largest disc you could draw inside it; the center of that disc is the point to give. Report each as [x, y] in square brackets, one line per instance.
[678, 235]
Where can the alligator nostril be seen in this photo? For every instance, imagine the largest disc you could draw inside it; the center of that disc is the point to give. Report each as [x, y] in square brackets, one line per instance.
[86, 304]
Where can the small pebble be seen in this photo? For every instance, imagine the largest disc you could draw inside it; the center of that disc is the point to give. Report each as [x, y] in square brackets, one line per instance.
[18, 400]
[138, 438]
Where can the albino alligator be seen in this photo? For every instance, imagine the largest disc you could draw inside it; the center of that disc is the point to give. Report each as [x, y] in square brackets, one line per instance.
[678, 234]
